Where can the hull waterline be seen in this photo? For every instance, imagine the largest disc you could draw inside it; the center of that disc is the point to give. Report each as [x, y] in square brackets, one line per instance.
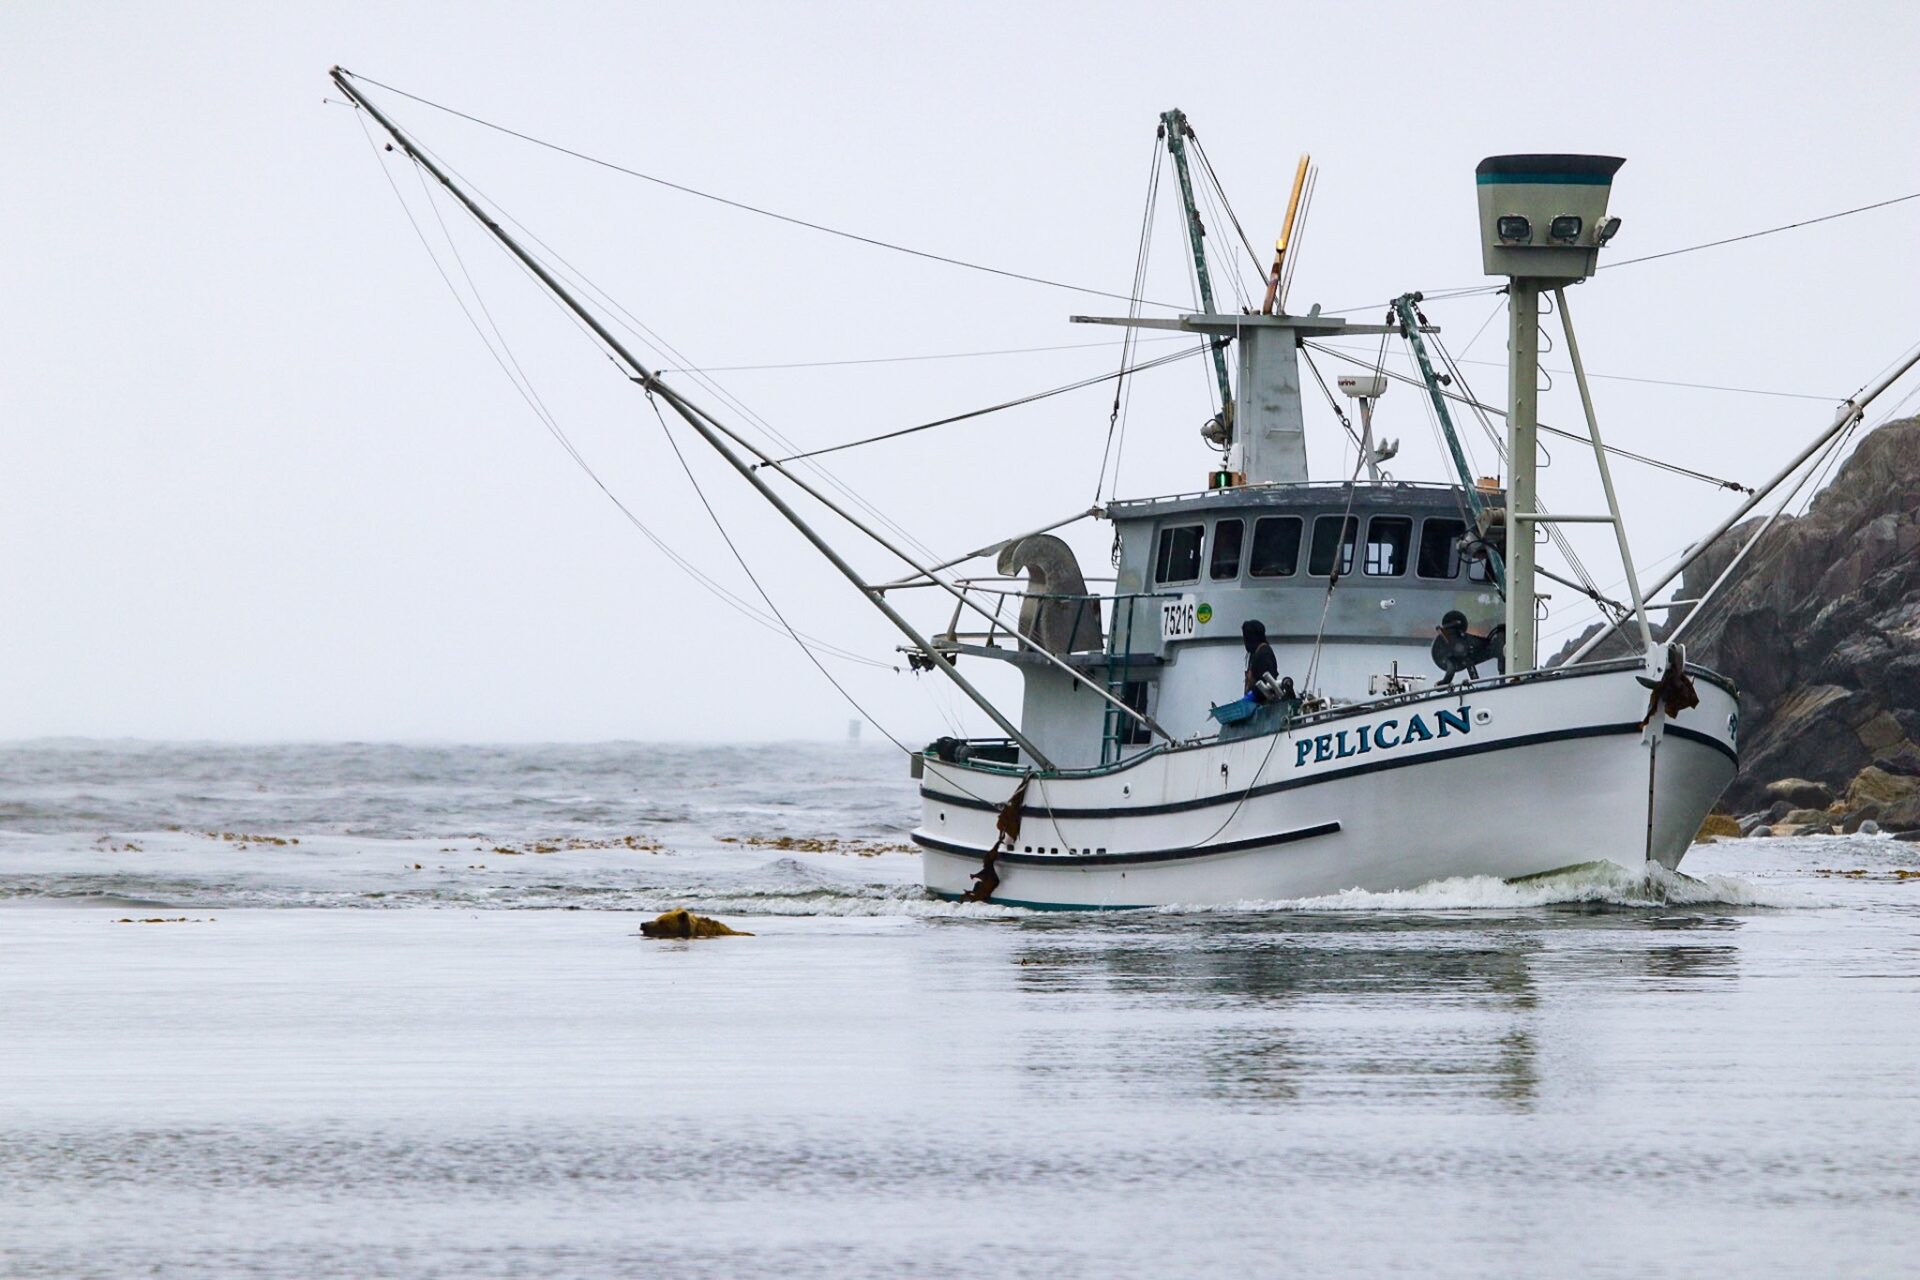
[1516, 778]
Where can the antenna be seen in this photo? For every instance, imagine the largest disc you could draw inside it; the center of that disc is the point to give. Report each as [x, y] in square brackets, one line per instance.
[1368, 388]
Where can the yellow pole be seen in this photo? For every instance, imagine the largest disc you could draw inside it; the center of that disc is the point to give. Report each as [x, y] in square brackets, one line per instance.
[1286, 233]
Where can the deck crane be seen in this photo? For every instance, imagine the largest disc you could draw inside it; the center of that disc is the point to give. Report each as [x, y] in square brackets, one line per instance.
[1175, 129]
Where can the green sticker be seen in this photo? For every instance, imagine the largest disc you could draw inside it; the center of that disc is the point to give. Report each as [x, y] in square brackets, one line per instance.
[1205, 613]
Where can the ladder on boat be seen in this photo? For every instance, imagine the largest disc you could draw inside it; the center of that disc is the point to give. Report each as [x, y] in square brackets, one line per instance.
[1118, 727]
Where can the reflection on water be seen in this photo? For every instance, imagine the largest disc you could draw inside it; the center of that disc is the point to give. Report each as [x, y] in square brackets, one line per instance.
[1297, 1006]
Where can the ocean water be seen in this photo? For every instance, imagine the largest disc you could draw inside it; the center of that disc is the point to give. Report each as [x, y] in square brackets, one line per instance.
[384, 1011]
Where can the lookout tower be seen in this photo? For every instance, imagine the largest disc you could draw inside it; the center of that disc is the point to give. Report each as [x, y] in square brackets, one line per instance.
[1543, 221]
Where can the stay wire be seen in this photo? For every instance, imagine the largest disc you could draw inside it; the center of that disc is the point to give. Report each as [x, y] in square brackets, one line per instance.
[1079, 385]
[1206, 162]
[623, 318]
[1440, 295]
[744, 207]
[656, 343]
[1333, 404]
[1755, 235]
[1121, 388]
[745, 568]
[1613, 449]
[531, 396]
[936, 355]
[1335, 572]
[1555, 533]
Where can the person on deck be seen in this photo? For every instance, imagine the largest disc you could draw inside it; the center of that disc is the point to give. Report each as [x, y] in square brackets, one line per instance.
[1260, 657]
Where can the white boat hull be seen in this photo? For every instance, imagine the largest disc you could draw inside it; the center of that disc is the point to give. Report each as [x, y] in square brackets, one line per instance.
[1503, 778]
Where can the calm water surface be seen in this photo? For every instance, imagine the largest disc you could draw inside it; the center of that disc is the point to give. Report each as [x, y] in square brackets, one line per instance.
[425, 1041]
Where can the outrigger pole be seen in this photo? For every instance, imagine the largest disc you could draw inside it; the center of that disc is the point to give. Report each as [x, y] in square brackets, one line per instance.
[1846, 416]
[716, 435]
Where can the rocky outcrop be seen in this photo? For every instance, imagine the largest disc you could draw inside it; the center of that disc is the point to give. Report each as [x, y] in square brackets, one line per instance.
[1821, 628]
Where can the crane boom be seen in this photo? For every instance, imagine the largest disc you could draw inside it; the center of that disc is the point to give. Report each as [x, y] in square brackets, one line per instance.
[1175, 129]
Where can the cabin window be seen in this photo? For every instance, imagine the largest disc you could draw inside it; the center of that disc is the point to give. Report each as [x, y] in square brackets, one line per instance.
[1388, 540]
[1225, 562]
[1440, 551]
[1178, 559]
[1276, 547]
[1333, 537]
[1132, 732]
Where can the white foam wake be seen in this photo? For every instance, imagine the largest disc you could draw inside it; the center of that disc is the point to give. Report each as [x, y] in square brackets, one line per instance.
[1603, 883]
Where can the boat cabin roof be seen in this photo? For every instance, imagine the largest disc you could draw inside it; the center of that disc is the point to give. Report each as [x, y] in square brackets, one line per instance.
[1411, 496]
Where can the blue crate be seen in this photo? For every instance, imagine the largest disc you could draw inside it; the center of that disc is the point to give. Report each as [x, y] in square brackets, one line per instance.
[1235, 712]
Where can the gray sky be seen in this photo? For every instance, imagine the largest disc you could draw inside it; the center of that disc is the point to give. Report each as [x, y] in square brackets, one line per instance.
[262, 480]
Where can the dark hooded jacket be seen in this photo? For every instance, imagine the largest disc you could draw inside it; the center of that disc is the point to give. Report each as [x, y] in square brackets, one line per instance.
[1260, 657]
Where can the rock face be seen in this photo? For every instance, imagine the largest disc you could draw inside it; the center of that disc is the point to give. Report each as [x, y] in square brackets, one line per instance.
[1821, 628]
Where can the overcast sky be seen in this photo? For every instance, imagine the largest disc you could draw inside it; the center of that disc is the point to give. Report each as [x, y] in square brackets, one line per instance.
[262, 480]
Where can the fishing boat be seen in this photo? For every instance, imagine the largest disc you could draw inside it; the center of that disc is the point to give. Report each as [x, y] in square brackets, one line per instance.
[1418, 737]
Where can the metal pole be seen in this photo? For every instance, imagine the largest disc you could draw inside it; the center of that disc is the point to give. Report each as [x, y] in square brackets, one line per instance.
[694, 418]
[1174, 123]
[767, 460]
[1606, 473]
[1523, 401]
[1366, 439]
[1844, 417]
[965, 601]
[1733, 565]
[1410, 329]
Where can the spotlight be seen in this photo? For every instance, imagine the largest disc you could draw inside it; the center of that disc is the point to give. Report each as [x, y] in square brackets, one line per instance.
[1608, 230]
[1514, 228]
[1565, 228]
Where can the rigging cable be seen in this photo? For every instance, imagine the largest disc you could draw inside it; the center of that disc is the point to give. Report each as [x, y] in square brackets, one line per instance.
[754, 579]
[1344, 553]
[1442, 295]
[937, 355]
[608, 347]
[1259, 267]
[1498, 307]
[531, 396]
[620, 316]
[754, 209]
[1555, 534]
[1754, 235]
[1345, 422]
[1083, 383]
[1616, 450]
[1122, 389]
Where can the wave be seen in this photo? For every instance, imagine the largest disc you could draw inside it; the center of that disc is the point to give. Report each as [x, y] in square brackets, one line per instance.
[1606, 884]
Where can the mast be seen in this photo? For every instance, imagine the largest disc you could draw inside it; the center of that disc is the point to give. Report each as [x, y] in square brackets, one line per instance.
[1543, 219]
[1175, 129]
[695, 418]
[1523, 453]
